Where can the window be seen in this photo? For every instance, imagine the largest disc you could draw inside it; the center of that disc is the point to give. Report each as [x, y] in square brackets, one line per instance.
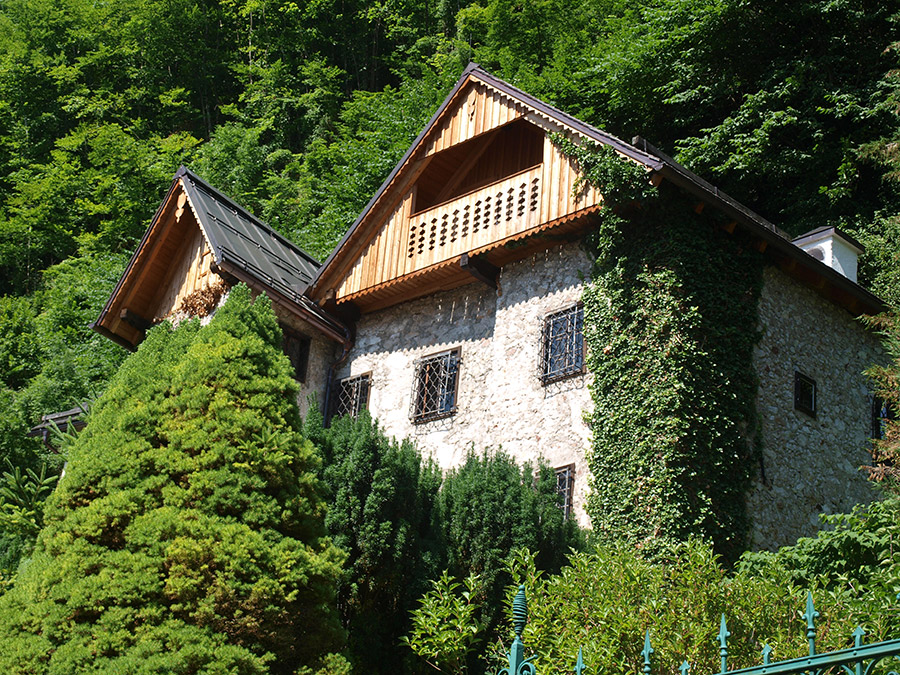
[881, 413]
[565, 482]
[351, 396]
[804, 393]
[296, 347]
[434, 394]
[562, 350]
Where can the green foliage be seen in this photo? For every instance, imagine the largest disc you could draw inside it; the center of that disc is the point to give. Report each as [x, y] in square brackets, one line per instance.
[857, 549]
[605, 600]
[680, 598]
[885, 467]
[381, 503]
[187, 532]
[670, 322]
[490, 505]
[446, 631]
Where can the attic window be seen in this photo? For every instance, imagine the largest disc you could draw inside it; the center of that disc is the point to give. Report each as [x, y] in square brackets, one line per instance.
[296, 348]
[480, 161]
[805, 394]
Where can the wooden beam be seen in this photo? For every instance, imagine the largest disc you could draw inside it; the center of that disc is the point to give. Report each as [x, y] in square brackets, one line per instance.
[729, 228]
[761, 246]
[461, 172]
[482, 270]
[656, 179]
[699, 207]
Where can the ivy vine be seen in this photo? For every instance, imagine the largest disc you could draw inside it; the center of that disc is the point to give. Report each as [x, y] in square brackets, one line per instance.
[671, 323]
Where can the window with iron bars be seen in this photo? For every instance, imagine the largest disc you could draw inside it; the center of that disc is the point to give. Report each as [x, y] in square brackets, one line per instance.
[351, 396]
[296, 347]
[434, 390]
[805, 399]
[881, 414]
[562, 345]
[565, 484]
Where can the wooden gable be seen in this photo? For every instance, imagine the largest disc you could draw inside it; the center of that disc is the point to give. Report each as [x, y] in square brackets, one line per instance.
[484, 182]
[172, 272]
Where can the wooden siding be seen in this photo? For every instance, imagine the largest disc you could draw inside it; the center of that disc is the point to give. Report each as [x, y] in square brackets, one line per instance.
[408, 243]
[482, 110]
[189, 273]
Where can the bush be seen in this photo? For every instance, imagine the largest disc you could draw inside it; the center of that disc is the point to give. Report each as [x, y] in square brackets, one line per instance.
[382, 498]
[187, 533]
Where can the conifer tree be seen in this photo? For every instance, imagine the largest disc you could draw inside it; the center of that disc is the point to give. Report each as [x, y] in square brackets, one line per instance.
[187, 534]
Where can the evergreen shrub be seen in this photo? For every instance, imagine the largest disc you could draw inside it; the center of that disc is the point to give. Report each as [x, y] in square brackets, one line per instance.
[187, 533]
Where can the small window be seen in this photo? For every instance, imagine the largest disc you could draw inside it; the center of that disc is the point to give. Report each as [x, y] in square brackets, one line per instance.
[562, 351]
[296, 347]
[351, 396]
[805, 394]
[434, 393]
[565, 483]
[881, 414]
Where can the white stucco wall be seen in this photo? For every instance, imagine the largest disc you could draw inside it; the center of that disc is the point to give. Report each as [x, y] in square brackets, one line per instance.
[500, 399]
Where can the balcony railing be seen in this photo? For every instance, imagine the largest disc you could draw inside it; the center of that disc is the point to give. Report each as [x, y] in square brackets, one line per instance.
[475, 219]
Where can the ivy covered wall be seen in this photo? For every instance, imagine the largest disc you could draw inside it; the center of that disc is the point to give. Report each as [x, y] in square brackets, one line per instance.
[671, 323]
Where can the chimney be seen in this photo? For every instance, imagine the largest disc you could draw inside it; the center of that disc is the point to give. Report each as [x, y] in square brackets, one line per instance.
[832, 246]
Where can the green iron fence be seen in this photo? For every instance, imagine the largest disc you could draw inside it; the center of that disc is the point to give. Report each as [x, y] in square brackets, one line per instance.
[860, 659]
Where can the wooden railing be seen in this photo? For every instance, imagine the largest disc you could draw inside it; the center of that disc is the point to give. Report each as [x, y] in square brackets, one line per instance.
[475, 219]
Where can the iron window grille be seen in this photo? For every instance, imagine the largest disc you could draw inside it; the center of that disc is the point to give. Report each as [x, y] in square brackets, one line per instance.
[805, 399]
[565, 484]
[296, 348]
[351, 396]
[881, 413]
[562, 344]
[434, 390]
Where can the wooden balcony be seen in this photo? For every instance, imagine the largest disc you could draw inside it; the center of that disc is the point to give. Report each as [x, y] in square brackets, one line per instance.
[473, 220]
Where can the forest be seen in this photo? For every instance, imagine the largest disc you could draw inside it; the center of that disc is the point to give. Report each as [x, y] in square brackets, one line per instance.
[298, 111]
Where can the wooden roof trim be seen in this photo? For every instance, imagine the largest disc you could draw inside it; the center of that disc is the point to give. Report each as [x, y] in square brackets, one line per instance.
[217, 256]
[127, 282]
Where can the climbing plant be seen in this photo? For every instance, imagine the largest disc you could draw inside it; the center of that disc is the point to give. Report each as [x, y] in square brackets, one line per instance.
[670, 323]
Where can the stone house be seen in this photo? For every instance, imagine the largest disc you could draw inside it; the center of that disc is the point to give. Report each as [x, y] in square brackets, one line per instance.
[451, 308]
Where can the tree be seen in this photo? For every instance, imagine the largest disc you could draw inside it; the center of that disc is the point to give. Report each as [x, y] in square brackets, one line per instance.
[187, 533]
[381, 504]
[490, 506]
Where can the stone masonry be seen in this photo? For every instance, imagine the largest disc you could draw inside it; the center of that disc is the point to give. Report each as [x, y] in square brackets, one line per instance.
[810, 465]
[500, 398]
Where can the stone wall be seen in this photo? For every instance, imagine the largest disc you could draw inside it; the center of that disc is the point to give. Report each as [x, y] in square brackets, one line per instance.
[501, 401]
[810, 465]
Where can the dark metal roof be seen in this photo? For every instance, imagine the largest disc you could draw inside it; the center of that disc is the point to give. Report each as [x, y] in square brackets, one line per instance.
[239, 239]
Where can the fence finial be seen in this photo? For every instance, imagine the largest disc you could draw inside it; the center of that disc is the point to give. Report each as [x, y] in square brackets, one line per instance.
[579, 664]
[648, 650]
[520, 611]
[723, 644]
[811, 615]
[518, 664]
